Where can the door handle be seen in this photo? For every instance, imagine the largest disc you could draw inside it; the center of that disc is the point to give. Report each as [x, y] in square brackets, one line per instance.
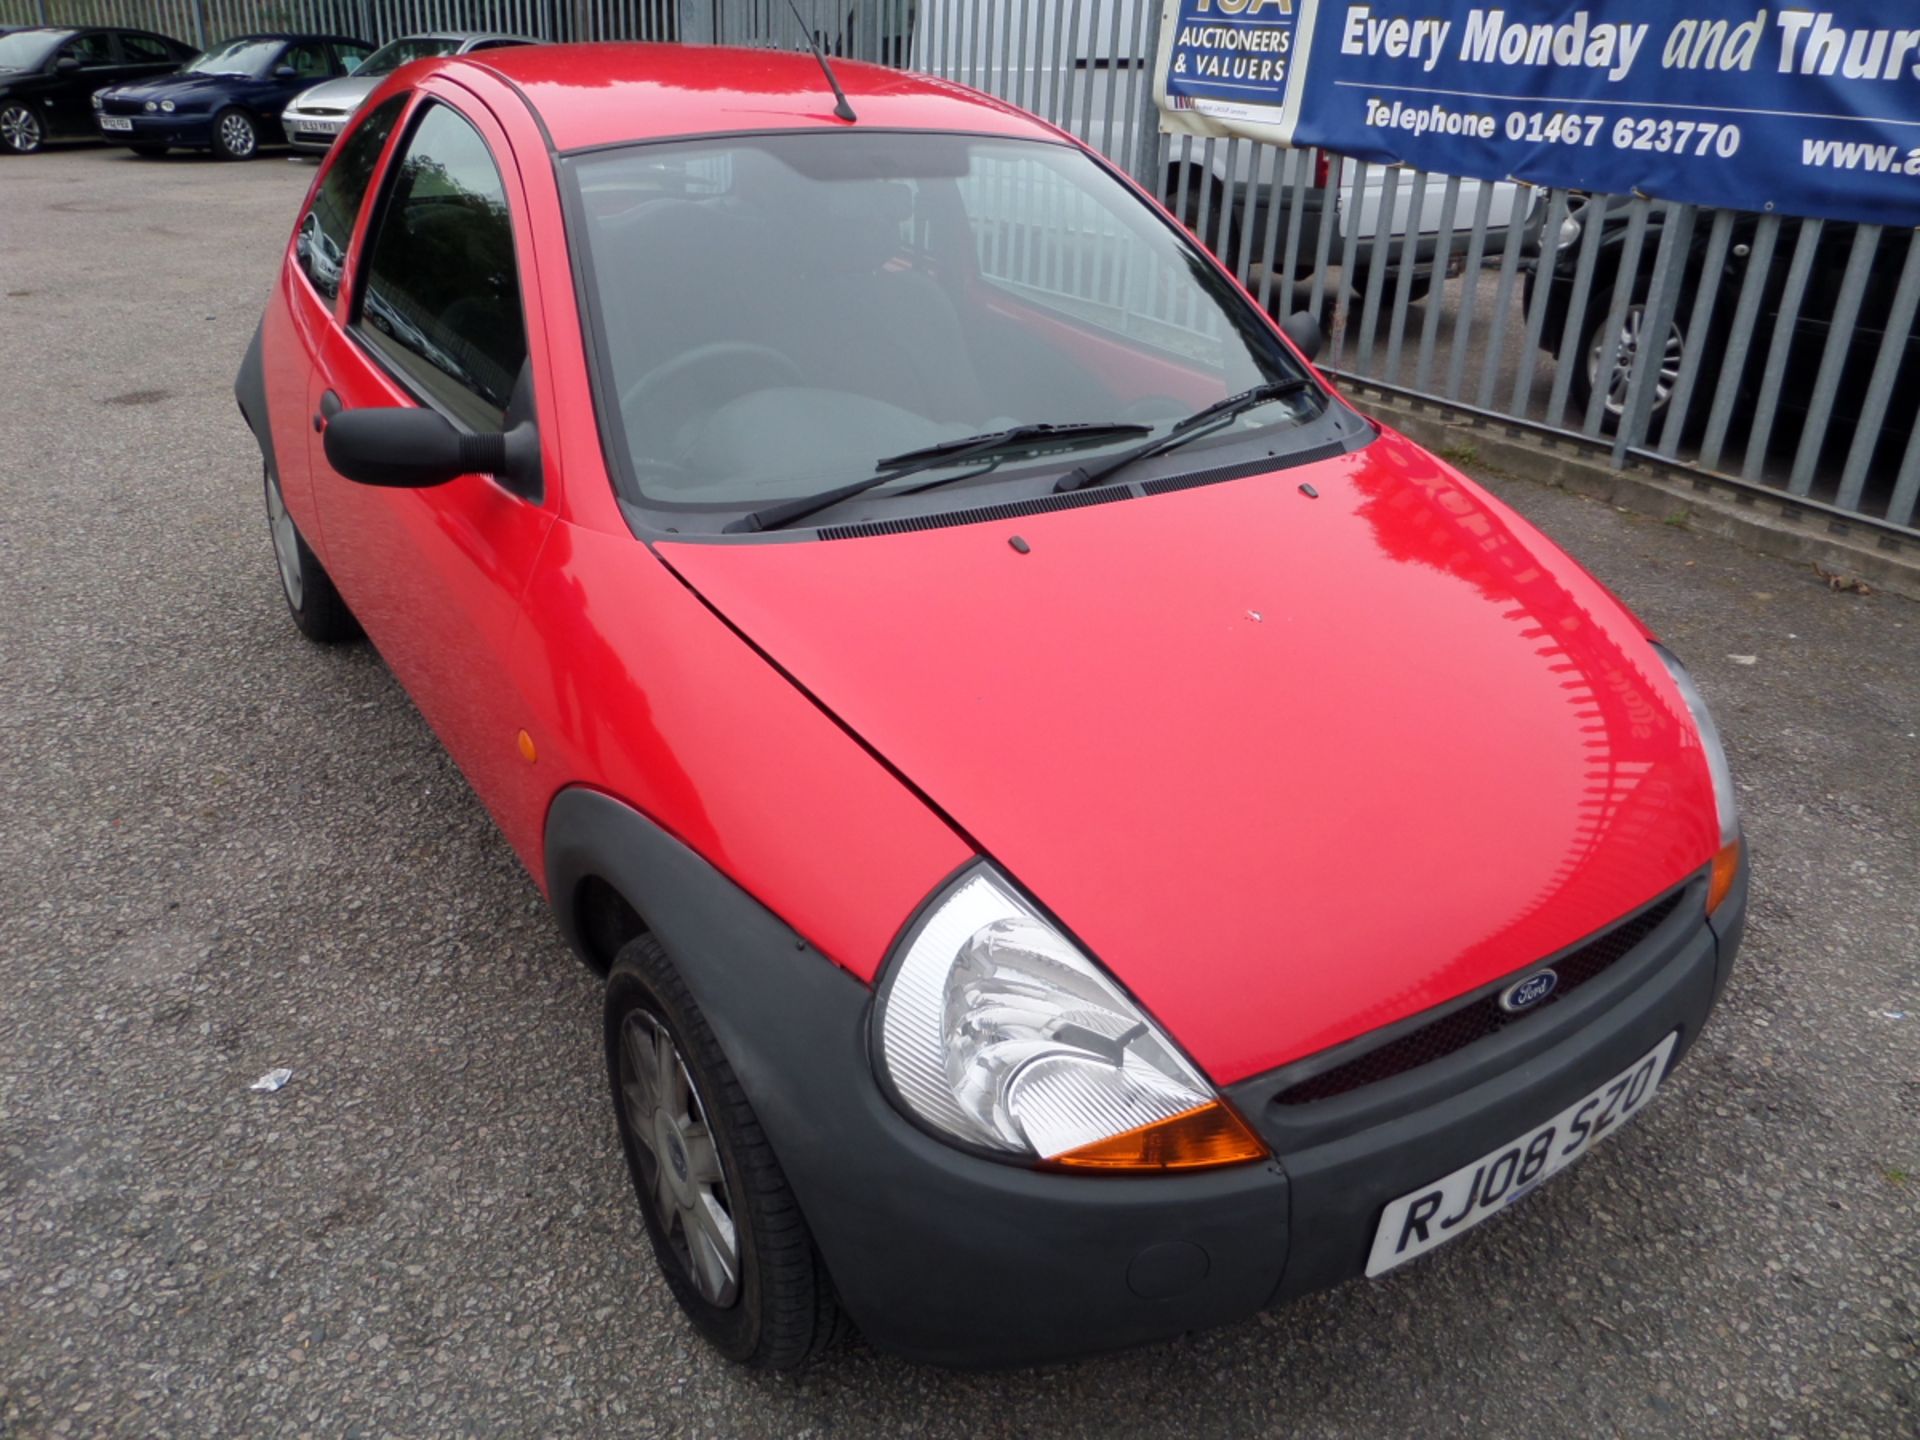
[330, 406]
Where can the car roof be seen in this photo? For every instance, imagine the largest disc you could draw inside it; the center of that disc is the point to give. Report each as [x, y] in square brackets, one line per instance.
[463, 35]
[610, 94]
[286, 35]
[83, 30]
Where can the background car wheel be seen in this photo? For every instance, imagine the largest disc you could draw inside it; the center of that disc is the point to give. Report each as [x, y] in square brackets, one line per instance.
[149, 151]
[235, 137]
[726, 1231]
[317, 607]
[1618, 359]
[21, 131]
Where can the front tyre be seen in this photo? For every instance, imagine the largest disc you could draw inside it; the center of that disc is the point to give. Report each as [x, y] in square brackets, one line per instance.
[726, 1230]
[235, 136]
[315, 605]
[21, 130]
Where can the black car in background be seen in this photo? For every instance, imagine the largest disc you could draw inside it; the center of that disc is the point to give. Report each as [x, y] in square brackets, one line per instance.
[48, 73]
[227, 100]
[1811, 327]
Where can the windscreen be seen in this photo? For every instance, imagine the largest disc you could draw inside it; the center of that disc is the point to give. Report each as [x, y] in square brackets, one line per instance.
[236, 57]
[391, 57]
[778, 314]
[29, 49]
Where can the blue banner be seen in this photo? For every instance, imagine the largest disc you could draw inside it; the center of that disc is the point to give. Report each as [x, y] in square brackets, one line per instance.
[1799, 111]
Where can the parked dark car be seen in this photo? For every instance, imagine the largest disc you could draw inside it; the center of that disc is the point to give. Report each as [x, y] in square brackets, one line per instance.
[229, 99]
[1812, 323]
[47, 73]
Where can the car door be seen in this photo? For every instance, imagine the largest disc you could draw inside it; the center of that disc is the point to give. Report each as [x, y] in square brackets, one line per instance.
[69, 103]
[435, 318]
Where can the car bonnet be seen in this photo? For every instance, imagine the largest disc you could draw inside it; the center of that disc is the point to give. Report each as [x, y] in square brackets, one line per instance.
[1292, 766]
[345, 93]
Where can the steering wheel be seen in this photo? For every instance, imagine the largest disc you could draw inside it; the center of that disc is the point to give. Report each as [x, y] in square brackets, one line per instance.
[660, 400]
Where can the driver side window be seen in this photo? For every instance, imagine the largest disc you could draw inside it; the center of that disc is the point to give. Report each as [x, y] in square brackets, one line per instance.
[326, 229]
[441, 303]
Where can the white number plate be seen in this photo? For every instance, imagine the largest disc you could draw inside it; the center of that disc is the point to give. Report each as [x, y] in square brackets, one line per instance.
[1434, 1214]
[318, 127]
[115, 122]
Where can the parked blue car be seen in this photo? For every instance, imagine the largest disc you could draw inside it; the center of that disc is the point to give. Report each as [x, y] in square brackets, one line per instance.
[227, 100]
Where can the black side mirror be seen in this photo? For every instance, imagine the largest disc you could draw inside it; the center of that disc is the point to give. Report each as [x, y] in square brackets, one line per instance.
[67, 63]
[1305, 333]
[285, 72]
[410, 448]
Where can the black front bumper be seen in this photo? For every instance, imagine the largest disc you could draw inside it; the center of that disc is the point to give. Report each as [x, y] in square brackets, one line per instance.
[947, 1257]
[1348, 1157]
[190, 132]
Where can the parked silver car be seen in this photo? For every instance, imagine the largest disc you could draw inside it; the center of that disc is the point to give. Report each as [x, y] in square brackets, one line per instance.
[317, 116]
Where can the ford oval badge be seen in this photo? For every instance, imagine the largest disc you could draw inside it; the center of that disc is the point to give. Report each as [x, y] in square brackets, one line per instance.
[1526, 993]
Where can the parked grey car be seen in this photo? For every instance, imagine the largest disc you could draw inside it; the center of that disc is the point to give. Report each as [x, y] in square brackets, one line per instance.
[318, 115]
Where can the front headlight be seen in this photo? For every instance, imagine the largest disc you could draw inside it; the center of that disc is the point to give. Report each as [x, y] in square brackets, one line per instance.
[996, 1031]
[1726, 864]
[1569, 233]
[98, 103]
[167, 105]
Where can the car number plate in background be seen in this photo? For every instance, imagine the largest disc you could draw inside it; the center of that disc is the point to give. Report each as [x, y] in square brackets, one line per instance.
[115, 122]
[1433, 1214]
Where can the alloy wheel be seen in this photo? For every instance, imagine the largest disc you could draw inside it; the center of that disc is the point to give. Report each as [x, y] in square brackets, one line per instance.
[1626, 347]
[20, 129]
[286, 542]
[236, 133]
[684, 1182]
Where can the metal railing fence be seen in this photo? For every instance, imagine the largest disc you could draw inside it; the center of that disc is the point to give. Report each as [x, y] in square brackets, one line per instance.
[1773, 351]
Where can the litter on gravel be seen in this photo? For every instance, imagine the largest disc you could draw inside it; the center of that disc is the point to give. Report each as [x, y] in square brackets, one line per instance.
[272, 1080]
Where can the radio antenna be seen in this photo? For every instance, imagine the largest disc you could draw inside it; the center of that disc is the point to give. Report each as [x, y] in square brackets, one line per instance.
[840, 106]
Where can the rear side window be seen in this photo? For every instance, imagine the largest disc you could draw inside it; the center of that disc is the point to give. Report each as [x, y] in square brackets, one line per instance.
[442, 297]
[352, 57]
[144, 49]
[322, 244]
[92, 50]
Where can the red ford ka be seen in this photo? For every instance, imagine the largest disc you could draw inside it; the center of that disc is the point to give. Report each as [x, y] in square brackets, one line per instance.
[1087, 835]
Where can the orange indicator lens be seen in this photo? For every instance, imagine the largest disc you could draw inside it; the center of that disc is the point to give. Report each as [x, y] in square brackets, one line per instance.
[1206, 1136]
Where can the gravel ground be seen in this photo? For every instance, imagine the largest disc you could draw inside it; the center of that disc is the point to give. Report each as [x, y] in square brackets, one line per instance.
[225, 850]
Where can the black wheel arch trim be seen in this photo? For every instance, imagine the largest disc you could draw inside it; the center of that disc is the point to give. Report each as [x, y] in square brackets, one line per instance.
[250, 391]
[934, 1253]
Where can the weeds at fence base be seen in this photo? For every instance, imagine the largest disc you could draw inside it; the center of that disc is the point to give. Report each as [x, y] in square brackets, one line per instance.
[1845, 584]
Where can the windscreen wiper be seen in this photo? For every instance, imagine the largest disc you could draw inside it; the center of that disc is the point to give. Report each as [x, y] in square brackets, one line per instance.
[946, 452]
[1201, 422]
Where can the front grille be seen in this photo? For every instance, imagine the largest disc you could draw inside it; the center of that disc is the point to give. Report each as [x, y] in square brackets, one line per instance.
[1460, 1028]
